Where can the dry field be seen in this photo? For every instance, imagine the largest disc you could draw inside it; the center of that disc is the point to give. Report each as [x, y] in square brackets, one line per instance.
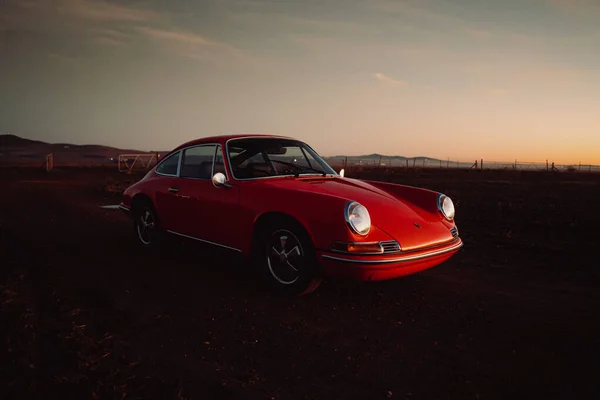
[84, 313]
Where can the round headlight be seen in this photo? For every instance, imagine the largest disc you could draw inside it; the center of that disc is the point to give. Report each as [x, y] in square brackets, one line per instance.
[446, 207]
[358, 217]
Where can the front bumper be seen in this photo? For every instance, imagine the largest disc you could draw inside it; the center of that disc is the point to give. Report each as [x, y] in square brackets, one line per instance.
[383, 267]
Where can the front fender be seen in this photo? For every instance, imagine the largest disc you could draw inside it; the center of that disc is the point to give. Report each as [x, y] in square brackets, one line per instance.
[320, 214]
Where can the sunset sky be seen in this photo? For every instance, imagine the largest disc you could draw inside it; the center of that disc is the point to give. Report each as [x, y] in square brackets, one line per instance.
[465, 79]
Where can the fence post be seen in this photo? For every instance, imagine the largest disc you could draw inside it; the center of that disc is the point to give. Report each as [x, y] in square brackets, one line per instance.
[414, 161]
[546, 165]
[407, 163]
[580, 165]
[49, 162]
[481, 165]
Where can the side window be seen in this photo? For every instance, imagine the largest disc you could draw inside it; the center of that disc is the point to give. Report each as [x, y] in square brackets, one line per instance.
[169, 165]
[219, 166]
[197, 162]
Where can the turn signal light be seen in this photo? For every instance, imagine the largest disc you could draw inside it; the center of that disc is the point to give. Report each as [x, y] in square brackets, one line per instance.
[358, 247]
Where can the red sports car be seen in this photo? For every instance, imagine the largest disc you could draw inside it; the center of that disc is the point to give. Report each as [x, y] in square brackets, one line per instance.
[276, 201]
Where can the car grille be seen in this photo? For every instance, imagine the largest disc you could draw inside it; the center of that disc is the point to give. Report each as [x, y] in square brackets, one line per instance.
[390, 246]
[454, 232]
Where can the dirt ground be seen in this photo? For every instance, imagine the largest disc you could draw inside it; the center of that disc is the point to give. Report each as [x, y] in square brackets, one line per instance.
[84, 313]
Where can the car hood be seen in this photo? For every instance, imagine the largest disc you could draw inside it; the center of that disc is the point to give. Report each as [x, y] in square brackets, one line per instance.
[411, 226]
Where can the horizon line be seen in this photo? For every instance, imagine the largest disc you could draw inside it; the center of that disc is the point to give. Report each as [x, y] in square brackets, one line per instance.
[382, 156]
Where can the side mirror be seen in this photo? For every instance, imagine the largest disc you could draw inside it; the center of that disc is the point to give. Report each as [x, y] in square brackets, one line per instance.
[342, 172]
[219, 180]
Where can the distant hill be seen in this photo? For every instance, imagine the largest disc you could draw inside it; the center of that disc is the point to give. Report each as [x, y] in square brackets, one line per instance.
[15, 150]
[375, 157]
[14, 140]
[10, 141]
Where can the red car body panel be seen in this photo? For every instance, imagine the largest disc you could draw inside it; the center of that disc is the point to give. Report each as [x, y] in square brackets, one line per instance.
[227, 216]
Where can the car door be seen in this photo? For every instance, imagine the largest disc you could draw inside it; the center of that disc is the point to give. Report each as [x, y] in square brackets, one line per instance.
[206, 207]
[166, 199]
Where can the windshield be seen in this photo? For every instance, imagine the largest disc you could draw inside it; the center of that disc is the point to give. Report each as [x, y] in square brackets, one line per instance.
[265, 157]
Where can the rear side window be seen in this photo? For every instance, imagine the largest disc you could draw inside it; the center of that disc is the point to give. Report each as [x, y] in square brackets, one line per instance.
[169, 165]
[197, 162]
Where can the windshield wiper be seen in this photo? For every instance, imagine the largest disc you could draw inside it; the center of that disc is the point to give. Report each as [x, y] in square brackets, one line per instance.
[314, 169]
[298, 169]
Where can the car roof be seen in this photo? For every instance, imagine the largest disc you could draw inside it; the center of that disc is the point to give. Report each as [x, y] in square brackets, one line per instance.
[224, 138]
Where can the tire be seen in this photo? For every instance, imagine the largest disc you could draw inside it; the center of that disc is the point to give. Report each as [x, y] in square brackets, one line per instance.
[146, 225]
[285, 257]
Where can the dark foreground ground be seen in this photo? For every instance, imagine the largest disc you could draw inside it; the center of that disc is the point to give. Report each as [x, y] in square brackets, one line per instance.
[86, 314]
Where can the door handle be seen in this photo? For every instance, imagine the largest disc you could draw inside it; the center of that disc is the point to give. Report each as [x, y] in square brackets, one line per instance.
[173, 190]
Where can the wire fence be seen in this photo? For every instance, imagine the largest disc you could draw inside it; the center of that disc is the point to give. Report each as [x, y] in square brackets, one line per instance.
[48, 161]
[422, 162]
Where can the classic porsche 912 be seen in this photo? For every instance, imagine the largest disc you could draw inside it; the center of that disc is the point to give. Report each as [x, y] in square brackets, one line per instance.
[277, 202]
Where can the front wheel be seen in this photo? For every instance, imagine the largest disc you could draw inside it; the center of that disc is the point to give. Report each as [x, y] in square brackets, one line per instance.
[286, 256]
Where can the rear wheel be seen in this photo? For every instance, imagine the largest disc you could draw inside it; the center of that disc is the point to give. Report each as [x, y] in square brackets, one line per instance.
[145, 223]
[286, 257]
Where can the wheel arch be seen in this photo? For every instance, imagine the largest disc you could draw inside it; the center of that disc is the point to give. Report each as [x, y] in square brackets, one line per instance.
[140, 199]
[271, 217]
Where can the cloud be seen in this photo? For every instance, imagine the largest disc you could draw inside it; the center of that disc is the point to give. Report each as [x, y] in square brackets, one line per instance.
[101, 10]
[420, 15]
[111, 37]
[66, 59]
[109, 41]
[269, 20]
[37, 16]
[112, 33]
[193, 46]
[315, 42]
[414, 10]
[577, 8]
[107, 23]
[388, 80]
[478, 33]
[182, 37]
[568, 4]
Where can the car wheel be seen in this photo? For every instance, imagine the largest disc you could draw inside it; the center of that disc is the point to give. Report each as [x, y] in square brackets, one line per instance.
[145, 224]
[287, 258]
